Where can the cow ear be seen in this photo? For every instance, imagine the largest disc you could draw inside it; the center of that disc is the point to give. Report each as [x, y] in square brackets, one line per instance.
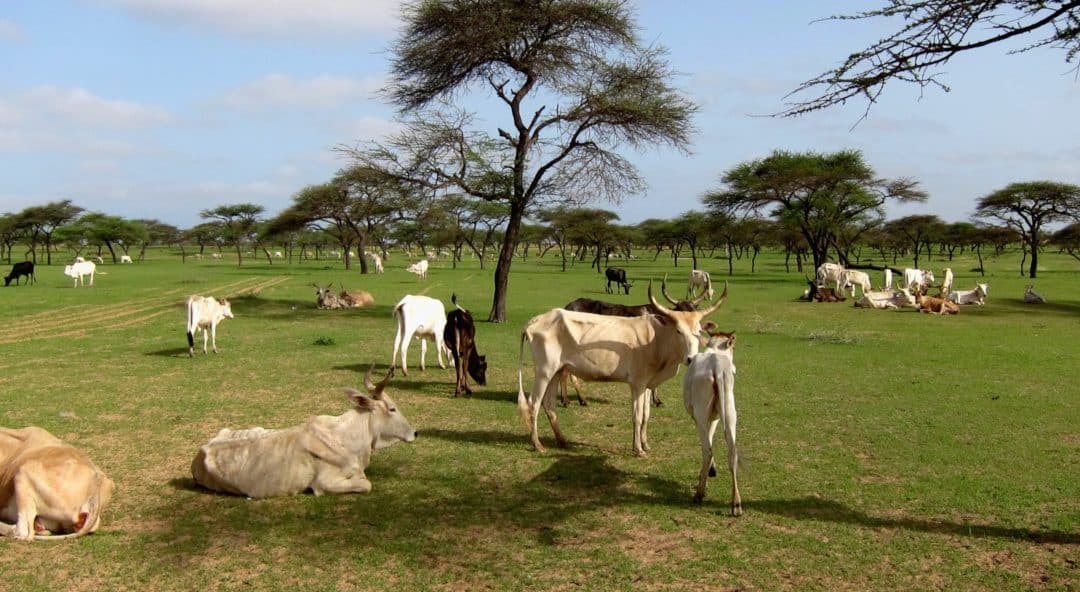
[731, 340]
[359, 399]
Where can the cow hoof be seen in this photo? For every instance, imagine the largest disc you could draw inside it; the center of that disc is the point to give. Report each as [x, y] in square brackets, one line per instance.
[699, 497]
[736, 510]
[712, 471]
[642, 454]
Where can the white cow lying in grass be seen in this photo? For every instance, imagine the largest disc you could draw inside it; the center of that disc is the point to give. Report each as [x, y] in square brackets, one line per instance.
[709, 396]
[327, 453]
[975, 296]
[886, 299]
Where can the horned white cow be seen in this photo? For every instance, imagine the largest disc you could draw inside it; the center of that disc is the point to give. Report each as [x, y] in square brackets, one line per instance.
[830, 273]
[421, 317]
[640, 351]
[886, 299]
[205, 312]
[853, 277]
[376, 260]
[976, 296]
[419, 268]
[125, 258]
[700, 282]
[327, 453]
[47, 487]
[79, 270]
[709, 397]
[918, 279]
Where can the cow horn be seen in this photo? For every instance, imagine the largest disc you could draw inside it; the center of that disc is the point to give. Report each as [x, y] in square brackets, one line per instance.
[715, 305]
[663, 290]
[660, 307]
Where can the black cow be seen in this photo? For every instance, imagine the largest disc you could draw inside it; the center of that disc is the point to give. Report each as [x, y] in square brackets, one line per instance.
[459, 335]
[617, 275]
[820, 293]
[20, 269]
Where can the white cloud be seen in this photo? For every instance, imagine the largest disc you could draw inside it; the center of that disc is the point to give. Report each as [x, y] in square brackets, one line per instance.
[275, 17]
[10, 32]
[80, 106]
[280, 90]
[367, 128]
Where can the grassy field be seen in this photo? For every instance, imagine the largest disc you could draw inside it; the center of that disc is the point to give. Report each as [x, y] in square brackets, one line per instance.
[881, 450]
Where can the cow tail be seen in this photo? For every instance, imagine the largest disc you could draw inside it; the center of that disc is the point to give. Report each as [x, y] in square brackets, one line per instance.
[93, 514]
[190, 327]
[523, 402]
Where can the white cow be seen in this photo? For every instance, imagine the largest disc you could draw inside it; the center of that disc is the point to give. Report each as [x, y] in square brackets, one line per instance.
[419, 268]
[376, 260]
[79, 270]
[205, 312]
[215, 255]
[830, 273]
[125, 258]
[975, 296]
[709, 397]
[327, 453]
[99, 260]
[700, 282]
[1031, 296]
[886, 299]
[918, 279]
[279, 255]
[640, 351]
[947, 282]
[423, 318]
[888, 278]
[853, 277]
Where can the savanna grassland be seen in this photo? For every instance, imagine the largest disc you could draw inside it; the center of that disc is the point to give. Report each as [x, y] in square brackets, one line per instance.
[881, 450]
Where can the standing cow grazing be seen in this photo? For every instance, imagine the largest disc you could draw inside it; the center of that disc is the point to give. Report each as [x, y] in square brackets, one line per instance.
[20, 269]
[421, 317]
[709, 396]
[205, 312]
[640, 351]
[460, 338]
[617, 275]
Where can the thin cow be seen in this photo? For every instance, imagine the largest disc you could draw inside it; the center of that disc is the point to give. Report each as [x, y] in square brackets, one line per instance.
[617, 275]
[205, 312]
[459, 335]
[640, 351]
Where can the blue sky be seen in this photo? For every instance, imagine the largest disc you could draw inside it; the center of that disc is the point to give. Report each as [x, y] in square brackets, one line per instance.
[162, 108]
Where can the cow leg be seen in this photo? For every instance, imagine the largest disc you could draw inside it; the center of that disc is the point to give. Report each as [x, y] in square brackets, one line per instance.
[213, 337]
[706, 431]
[423, 354]
[397, 348]
[563, 389]
[336, 482]
[638, 398]
[730, 419]
[439, 347]
[549, 409]
[25, 504]
[646, 412]
[656, 397]
[540, 386]
[406, 339]
[205, 336]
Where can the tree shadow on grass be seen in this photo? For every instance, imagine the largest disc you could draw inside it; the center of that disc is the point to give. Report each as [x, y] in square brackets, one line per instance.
[812, 508]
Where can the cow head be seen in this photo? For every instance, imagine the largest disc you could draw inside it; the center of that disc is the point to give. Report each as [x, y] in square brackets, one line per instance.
[683, 305]
[388, 425]
[687, 323]
[226, 307]
[983, 289]
[477, 367]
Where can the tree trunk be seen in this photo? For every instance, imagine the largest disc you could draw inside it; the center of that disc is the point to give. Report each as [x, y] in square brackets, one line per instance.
[506, 258]
[1034, 259]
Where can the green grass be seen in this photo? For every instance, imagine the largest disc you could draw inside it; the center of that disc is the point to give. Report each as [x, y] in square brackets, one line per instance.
[881, 449]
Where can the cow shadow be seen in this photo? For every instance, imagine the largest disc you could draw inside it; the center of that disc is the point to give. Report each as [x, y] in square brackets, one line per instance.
[171, 352]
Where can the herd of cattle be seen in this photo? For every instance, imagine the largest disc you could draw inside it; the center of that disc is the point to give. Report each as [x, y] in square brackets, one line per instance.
[48, 487]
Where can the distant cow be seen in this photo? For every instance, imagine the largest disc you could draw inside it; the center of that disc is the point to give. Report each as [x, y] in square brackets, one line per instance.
[1031, 296]
[853, 277]
[886, 299]
[48, 487]
[699, 282]
[617, 275]
[20, 269]
[79, 270]
[421, 317]
[935, 305]
[709, 397]
[830, 273]
[459, 335]
[918, 279]
[205, 312]
[419, 268]
[125, 258]
[947, 282]
[819, 293]
[325, 299]
[326, 454]
[376, 260]
[355, 298]
[976, 296]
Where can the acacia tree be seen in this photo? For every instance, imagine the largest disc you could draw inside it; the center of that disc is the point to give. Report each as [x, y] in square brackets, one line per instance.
[1028, 207]
[239, 222]
[576, 83]
[821, 194]
[43, 220]
[933, 32]
[1068, 240]
[915, 231]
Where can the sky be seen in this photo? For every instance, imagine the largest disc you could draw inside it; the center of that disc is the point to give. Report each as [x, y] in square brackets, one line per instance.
[164, 108]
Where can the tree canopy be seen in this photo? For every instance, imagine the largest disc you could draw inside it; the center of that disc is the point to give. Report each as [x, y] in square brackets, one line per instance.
[1028, 207]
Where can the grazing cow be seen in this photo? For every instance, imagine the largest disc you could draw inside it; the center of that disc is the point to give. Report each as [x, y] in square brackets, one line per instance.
[918, 279]
[935, 304]
[326, 453]
[1031, 296]
[976, 296]
[326, 299]
[48, 487]
[205, 312]
[423, 318]
[459, 335]
[830, 273]
[699, 281]
[640, 351]
[215, 255]
[419, 268]
[946, 284]
[79, 270]
[377, 261]
[886, 299]
[20, 269]
[355, 298]
[709, 397]
[617, 275]
[819, 293]
[125, 258]
[853, 277]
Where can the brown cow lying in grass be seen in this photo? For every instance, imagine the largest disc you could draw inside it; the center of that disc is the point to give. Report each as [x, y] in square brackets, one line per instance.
[935, 304]
[47, 487]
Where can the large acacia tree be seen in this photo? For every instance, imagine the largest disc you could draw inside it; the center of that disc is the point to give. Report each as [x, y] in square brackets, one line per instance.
[820, 194]
[1028, 207]
[932, 33]
[239, 223]
[576, 84]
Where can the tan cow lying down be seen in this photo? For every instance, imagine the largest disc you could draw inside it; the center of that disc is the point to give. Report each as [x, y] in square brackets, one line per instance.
[47, 486]
[327, 453]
